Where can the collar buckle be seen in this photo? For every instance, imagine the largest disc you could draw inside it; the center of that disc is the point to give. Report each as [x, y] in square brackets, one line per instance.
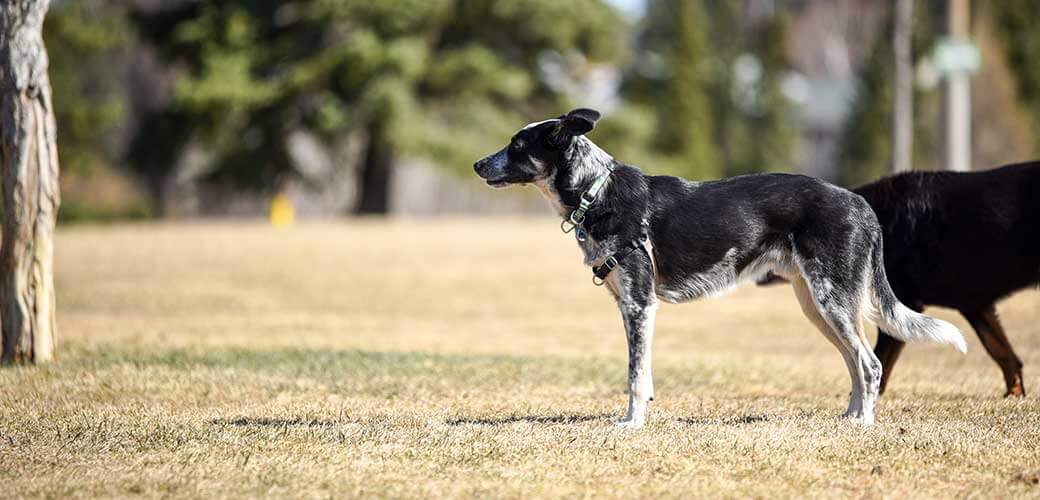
[587, 198]
[600, 272]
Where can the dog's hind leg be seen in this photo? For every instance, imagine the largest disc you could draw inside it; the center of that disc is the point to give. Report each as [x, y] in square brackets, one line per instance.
[872, 370]
[865, 368]
[633, 287]
[809, 308]
[991, 333]
[887, 349]
[838, 296]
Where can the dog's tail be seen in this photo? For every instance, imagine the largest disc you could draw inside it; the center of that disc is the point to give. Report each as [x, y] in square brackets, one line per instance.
[900, 321]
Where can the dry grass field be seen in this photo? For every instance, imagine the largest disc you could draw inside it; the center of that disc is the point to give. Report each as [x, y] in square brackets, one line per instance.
[467, 358]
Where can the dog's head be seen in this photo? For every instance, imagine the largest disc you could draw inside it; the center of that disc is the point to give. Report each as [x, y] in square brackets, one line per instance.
[535, 151]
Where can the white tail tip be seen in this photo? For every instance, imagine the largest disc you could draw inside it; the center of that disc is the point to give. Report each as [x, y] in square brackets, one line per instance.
[951, 335]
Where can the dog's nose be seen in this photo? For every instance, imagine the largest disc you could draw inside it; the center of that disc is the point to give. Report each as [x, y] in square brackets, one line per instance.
[477, 166]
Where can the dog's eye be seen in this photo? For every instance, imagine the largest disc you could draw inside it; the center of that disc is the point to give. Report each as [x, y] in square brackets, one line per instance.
[516, 146]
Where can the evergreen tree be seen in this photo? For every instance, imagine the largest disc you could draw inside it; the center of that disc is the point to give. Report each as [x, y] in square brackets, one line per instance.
[709, 124]
[761, 134]
[83, 37]
[685, 120]
[257, 71]
[1016, 22]
[866, 146]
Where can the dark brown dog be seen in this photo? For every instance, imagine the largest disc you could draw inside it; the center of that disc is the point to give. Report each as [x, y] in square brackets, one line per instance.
[961, 240]
[964, 241]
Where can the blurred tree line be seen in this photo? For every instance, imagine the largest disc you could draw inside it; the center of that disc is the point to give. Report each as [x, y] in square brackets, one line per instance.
[867, 143]
[714, 78]
[1015, 22]
[224, 93]
[237, 78]
[255, 72]
[1005, 100]
[442, 79]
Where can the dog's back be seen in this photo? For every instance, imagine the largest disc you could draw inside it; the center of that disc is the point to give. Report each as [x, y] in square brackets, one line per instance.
[961, 240]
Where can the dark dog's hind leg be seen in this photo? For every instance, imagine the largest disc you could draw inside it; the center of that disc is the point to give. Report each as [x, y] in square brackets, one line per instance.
[991, 333]
[887, 350]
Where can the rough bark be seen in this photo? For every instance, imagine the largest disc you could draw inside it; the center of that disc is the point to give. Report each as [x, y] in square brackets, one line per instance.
[375, 173]
[30, 185]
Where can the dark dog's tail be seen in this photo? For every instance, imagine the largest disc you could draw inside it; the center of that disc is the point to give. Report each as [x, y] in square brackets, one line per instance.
[900, 321]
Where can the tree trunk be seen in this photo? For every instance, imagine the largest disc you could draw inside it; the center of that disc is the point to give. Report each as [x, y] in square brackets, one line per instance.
[375, 174]
[903, 115]
[30, 185]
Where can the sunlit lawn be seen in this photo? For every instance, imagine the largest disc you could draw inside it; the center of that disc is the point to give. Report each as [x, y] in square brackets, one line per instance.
[467, 357]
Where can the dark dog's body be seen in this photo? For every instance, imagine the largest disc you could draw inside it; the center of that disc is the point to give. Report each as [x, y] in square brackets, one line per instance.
[703, 238]
[964, 241]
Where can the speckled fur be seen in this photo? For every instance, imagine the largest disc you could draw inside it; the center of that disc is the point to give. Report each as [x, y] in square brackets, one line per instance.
[707, 237]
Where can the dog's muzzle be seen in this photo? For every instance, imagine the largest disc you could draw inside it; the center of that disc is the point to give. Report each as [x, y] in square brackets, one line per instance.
[492, 169]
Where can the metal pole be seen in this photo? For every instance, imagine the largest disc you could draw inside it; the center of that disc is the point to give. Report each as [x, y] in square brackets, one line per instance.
[958, 95]
[903, 114]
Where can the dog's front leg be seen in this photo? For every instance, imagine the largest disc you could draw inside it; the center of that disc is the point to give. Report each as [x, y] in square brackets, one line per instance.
[638, 304]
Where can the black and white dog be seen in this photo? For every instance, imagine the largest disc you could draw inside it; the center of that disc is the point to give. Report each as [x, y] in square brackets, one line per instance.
[661, 237]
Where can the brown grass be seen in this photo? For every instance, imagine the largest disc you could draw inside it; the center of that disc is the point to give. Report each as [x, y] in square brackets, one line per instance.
[466, 358]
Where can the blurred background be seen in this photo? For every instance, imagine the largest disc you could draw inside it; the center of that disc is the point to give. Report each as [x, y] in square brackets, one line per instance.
[179, 108]
[435, 352]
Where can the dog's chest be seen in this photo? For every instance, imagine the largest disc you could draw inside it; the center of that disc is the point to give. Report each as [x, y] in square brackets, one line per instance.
[593, 251]
[715, 279]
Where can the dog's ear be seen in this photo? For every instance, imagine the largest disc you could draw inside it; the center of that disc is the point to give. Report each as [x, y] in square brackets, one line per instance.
[579, 121]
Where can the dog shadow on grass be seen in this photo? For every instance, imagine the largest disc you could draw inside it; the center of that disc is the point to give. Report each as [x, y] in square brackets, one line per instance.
[276, 422]
[734, 420]
[533, 419]
[737, 420]
[272, 422]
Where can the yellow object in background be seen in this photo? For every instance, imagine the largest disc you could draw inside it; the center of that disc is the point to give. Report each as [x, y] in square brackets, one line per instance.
[282, 212]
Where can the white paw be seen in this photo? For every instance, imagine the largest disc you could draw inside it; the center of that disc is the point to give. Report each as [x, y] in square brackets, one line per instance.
[860, 419]
[630, 423]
